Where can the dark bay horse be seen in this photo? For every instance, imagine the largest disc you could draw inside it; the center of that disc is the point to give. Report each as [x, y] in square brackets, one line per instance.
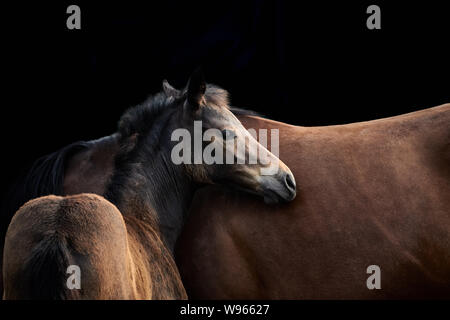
[369, 193]
[123, 240]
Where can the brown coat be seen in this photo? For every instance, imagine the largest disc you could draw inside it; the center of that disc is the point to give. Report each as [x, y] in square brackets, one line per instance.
[369, 193]
[117, 260]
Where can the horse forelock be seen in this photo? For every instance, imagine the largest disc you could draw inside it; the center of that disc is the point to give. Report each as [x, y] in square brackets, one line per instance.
[140, 119]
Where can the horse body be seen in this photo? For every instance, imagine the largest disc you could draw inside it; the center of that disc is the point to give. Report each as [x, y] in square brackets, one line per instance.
[370, 193]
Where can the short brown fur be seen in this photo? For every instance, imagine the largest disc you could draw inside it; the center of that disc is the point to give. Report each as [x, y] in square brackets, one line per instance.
[374, 192]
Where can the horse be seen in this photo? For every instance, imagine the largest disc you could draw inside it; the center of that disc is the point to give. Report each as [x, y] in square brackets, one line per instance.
[123, 241]
[87, 230]
[371, 219]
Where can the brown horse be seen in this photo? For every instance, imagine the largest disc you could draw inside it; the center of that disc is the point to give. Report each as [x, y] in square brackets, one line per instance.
[370, 193]
[50, 233]
[128, 252]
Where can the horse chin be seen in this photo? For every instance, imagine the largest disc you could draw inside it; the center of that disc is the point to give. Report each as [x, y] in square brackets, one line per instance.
[271, 197]
[276, 192]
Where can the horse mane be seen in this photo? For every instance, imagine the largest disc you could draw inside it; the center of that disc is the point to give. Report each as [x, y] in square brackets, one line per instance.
[245, 112]
[45, 176]
[139, 119]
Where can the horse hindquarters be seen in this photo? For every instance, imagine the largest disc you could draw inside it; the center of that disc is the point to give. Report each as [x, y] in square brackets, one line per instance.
[80, 242]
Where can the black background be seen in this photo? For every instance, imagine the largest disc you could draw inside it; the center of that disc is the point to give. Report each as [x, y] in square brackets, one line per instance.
[305, 63]
[293, 309]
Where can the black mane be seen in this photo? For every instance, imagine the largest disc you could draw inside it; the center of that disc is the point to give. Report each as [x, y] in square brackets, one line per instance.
[245, 112]
[140, 118]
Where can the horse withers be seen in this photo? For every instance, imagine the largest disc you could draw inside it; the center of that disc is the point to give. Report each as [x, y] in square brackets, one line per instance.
[134, 171]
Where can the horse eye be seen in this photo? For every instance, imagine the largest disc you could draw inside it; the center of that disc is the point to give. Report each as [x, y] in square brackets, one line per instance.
[228, 134]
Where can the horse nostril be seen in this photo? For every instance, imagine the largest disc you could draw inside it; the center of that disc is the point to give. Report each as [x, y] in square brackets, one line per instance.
[289, 180]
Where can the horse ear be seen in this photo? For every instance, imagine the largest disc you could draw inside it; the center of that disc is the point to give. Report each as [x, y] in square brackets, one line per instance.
[169, 90]
[196, 88]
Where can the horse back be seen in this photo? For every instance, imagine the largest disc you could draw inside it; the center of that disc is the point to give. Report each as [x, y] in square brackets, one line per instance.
[369, 193]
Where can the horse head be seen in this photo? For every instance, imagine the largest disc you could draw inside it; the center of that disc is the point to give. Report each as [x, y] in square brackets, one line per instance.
[214, 147]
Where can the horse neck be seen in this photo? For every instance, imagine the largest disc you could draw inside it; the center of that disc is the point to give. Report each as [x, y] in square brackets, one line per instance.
[156, 193]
